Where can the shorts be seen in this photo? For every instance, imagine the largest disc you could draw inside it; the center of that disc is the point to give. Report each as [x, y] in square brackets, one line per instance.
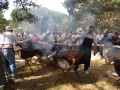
[105, 51]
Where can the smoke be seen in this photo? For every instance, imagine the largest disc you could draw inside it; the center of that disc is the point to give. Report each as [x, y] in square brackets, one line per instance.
[87, 19]
[87, 16]
[47, 20]
[83, 11]
[26, 26]
[52, 21]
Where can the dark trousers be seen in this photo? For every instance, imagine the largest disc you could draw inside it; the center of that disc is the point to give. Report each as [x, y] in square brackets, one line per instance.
[100, 49]
[77, 65]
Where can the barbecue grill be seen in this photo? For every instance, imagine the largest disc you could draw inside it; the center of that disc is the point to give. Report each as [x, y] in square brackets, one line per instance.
[65, 61]
[28, 51]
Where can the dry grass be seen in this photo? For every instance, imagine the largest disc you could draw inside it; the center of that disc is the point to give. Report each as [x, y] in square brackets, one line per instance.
[47, 78]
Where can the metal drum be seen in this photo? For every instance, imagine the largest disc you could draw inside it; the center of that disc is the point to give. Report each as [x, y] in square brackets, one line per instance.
[27, 44]
[25, 53]
[29, 50]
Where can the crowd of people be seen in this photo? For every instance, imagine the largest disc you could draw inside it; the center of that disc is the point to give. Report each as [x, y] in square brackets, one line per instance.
[50, 40]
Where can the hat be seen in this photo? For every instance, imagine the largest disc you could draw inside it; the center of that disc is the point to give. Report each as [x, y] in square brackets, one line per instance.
[9, 28]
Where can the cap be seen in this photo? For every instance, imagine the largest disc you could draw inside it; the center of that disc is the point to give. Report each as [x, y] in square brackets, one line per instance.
[9, 28]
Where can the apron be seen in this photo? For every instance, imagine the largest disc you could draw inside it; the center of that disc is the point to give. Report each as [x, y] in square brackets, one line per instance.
[85, 48]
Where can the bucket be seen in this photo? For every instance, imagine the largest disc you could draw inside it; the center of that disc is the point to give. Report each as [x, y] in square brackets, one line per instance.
[1, 87]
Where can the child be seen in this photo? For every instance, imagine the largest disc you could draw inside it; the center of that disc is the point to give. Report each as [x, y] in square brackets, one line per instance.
[54, 50]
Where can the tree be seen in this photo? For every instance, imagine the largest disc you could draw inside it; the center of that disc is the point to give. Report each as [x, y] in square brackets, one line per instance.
[3, 4]
[20, 14]
[13, 24]
[25, 4]
[24, 7]
[84, 11]
[3, 23]
[47, 20]
[98, 11]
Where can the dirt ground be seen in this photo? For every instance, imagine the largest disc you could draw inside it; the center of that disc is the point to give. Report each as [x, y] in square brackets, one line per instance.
[48, 78]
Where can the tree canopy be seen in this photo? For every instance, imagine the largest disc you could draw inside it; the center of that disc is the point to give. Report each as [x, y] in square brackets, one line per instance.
[19, 15]
[95, 12]
[3, 23]
[47, 20]
[100, 13]
[22, 13]
[3, 4]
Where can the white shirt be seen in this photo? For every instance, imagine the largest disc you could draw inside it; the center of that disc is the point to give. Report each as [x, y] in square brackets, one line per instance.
[8, 39]
[110, 35]
[91, 36]
[99, 37]
[51, 37]
[73, 37]
[41, 37]
[27, 37]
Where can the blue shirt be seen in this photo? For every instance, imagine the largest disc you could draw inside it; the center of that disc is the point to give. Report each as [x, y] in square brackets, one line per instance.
[55, 48]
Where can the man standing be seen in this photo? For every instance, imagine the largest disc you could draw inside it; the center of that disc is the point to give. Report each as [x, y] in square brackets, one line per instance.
[85, 49]
[7, 40]
[107, 45]
[99, 38]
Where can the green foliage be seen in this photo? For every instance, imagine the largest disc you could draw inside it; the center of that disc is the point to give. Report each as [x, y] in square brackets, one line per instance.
[3, 23]
[23, 12]
[101, 11]
[13, 24]
[3, 5]
[24, 4]
[47, 20]
[19, 15]
[1, 15]
[116, 1]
